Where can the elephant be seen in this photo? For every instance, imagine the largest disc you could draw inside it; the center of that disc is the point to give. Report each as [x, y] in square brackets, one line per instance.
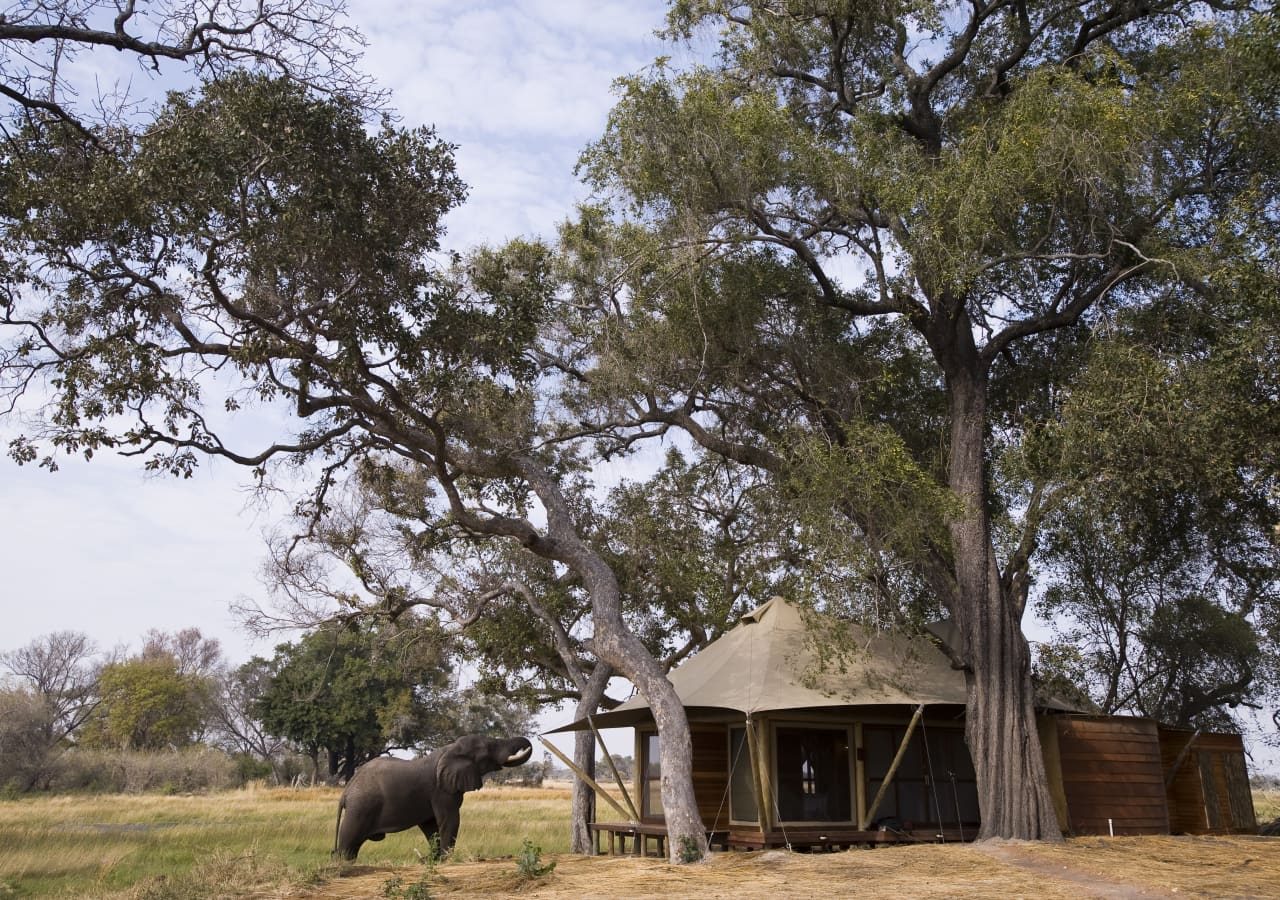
[386, 795]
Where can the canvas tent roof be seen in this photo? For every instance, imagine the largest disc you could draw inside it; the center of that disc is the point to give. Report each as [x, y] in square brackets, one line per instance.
[767, 663]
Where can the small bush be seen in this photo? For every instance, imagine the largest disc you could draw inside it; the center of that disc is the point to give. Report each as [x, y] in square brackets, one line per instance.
[529, 861]
[394, 888]
[690, 852]
[196, 770]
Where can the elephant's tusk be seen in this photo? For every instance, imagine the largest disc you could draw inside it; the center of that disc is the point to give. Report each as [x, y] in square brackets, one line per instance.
[519, 756]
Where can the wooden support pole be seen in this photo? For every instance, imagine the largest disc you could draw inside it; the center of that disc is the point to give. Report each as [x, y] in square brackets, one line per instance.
[763, 808]
[893, 768]
[591, 782]
[859, 772]
[617, 777]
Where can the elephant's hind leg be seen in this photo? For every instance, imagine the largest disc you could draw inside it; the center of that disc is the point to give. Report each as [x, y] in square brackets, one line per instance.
[347, 850]
[350, 839]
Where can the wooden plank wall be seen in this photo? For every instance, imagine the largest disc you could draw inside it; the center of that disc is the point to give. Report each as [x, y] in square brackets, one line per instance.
[1183, 794]
[1209, 794]
[1111, 769]
[711, 772]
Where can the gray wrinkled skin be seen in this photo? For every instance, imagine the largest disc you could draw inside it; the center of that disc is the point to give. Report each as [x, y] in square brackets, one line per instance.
[387, 795]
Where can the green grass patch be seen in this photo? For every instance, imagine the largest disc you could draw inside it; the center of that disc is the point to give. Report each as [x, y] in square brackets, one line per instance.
[233, 843]
[241, 843]
[1266, 804]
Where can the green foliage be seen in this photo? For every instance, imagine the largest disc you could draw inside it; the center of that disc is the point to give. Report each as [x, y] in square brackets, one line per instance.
[1163, 562]
[689, 850]
[356, 691]
[694, 547]
[529, 862]
[278, 206]
[1166, 624]
[147, 704]
[395, 889]
[970, 282]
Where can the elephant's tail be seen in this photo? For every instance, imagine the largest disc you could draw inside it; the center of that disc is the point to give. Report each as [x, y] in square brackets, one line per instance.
[342, 804]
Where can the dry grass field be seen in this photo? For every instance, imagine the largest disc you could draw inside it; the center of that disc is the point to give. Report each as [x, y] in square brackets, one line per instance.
[275, 844]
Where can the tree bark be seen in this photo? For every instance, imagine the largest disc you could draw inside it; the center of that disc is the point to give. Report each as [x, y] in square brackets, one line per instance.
[686, 835]
[584, 754]
[1000, 728]
[614, 643]
[583, 809]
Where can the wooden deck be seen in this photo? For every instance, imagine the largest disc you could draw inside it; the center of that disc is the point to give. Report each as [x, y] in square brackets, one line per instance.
[636, 838]
[837, 837]
[641, 834]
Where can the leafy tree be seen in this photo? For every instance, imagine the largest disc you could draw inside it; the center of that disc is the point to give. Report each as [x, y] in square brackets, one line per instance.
[146, 703]
[948, 203]
[1154, 642]
[484, 712]
[692, 547]
[260, 230]
[1163, 565]
[354, 693]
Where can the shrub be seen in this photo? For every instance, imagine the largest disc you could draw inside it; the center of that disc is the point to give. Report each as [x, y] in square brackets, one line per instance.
[26, 757]
[529, 861]
[689, 850]
[193, 770]
[394, 888]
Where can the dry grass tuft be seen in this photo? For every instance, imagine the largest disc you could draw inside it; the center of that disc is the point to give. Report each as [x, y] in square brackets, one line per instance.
[223, 875]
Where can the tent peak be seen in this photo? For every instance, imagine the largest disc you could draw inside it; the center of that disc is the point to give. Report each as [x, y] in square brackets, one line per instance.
[757, 615]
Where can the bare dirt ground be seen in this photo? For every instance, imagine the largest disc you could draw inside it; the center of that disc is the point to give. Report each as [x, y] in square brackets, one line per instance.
[1121, 868]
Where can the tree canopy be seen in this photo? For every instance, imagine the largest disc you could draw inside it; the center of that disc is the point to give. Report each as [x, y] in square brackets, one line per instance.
[354, 693]
[934, 219]
[147, 703]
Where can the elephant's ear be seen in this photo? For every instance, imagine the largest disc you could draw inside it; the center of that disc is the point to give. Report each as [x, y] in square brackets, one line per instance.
[456, 772]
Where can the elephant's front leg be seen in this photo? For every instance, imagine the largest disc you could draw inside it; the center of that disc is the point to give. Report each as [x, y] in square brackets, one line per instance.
[448, 816]
[432, 833]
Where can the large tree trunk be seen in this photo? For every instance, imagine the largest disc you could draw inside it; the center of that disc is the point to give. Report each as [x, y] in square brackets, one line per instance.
[614, 643]
[686, 835]
[583, 809]
[1000, 728]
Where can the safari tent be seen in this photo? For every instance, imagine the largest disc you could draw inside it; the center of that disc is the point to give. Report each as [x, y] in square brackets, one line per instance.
[871, 749]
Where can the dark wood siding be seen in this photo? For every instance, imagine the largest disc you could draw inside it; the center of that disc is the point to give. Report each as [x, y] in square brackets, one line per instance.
[1111, 770]
[1209, 793]
[711, 773]
[710, 745]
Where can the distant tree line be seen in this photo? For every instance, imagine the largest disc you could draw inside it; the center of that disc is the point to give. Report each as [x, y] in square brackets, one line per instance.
[72, 717]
